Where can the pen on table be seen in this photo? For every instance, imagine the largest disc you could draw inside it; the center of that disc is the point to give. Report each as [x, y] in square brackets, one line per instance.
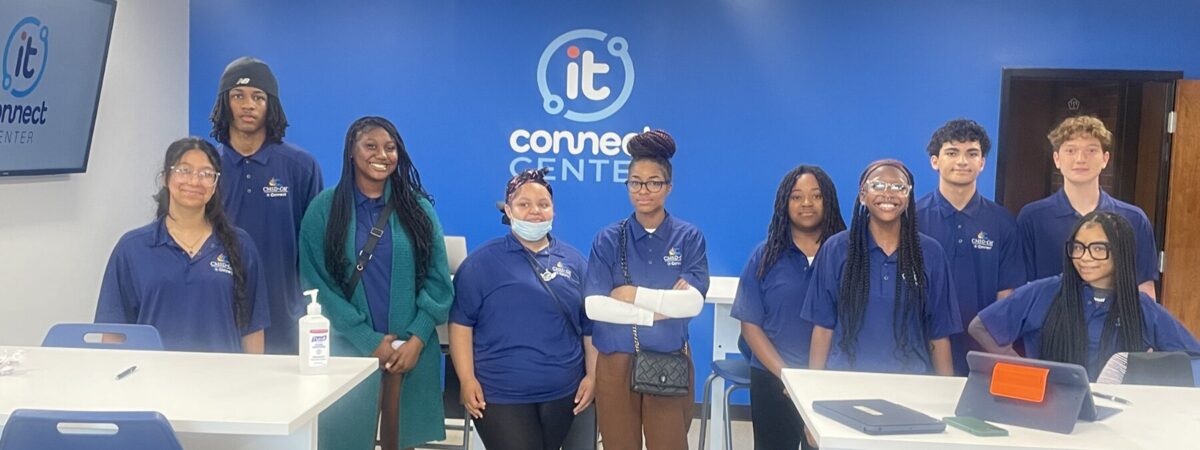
[1112, 397]
[126, 372]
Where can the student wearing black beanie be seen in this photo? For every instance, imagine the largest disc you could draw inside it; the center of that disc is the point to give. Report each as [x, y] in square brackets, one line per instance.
[266, 185]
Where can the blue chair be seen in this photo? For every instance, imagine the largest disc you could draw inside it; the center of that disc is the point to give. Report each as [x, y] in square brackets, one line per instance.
[137, 337]
[77, 430]
[737, 372]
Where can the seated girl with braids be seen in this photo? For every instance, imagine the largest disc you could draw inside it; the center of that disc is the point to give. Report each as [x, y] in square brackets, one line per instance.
[1089, 312]
[881, 298]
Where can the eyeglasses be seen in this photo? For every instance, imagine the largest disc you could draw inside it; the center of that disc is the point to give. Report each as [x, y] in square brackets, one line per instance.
[877, 186]
[652, 186]
[1098, 250]
[206, 177]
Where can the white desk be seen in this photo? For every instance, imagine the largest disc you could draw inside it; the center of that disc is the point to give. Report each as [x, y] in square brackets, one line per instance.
[1160, 418]
[726, 329]
[213, 400]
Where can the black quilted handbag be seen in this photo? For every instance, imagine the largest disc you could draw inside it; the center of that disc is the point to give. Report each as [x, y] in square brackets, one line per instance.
[659, 373]
[655, 373]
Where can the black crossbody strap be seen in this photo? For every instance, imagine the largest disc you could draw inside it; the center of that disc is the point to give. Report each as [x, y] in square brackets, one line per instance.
[561, 306]
[368, 250]
[637, 345]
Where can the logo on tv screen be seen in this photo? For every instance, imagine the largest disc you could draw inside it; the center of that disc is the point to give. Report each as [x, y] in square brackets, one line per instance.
[25, 56]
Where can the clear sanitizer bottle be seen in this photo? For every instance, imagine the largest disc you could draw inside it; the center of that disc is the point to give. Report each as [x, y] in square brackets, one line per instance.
[314, 338]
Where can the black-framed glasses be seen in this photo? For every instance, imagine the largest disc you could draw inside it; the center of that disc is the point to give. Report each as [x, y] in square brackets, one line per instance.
[206, 177]
[879, 186]
[1098, 250]
[652, 186]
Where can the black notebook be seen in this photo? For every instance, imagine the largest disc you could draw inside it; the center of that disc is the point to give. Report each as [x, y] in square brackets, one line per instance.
[877, 416]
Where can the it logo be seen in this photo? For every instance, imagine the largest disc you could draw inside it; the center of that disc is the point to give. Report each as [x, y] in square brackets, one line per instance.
[585, 61]
[25, 57]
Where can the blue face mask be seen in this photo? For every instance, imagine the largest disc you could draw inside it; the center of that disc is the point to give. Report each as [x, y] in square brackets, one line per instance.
[531, 231]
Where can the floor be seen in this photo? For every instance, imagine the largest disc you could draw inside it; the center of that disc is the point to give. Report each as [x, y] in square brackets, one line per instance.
[743, 436]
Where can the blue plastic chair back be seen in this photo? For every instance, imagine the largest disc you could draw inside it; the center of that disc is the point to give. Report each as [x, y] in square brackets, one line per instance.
[137, 337]
[92, 430]
[1196, 371]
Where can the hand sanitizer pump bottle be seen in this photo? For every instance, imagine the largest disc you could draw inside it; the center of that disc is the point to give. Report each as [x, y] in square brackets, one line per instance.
[314, 338]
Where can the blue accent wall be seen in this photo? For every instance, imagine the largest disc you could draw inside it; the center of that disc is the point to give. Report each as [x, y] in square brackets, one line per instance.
[748, 88]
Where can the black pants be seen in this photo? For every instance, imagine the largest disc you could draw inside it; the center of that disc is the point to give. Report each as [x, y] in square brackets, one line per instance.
[526, 426]
[777, 424]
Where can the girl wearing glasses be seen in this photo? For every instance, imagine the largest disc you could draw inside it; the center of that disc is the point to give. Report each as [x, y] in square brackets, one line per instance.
[382, 302]
[1091, 311]
[647, 277]
[518, 335]
[771, 292]
[189, 273]
[881, 299]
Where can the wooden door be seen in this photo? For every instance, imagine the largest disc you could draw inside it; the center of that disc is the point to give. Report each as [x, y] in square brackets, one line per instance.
[1181, 268]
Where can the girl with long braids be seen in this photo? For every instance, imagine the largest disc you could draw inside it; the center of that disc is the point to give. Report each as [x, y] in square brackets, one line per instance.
[1091, 311]
[647, 277]
[189, 273]
[881, 299]
[385, 303]
[770, 293]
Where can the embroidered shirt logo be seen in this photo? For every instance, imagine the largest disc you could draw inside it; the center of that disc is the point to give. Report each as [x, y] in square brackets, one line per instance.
[275, 188]
[560, 270]
[982, 242]
[674, 257]
[221, 264]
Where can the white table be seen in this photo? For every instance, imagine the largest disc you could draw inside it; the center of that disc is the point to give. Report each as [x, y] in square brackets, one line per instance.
[726, 329]
[1160, 418]
[213, 400]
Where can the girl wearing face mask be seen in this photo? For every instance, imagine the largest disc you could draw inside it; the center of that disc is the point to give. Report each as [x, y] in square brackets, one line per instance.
[1091, 311]
[382, 302]
[881, 299]
[521, 345]
[646, 279]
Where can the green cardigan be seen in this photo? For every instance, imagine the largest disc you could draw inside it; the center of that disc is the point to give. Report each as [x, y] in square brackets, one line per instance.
[350, 422]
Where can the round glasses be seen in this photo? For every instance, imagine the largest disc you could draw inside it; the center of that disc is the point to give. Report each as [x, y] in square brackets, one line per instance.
[206, 177]
[879, 186]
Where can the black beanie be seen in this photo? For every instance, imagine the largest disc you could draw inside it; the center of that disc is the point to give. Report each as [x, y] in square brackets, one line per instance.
[248, 71]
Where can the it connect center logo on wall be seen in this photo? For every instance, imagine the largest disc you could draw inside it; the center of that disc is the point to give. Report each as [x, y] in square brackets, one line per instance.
[581, 75]
[25, 57]
[584, 76]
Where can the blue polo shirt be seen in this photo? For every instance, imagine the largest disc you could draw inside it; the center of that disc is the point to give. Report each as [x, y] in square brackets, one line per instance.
[266, 194]
[657, 260]
[377, 275]
[876, 350]
[150, 280]
[525, 350]
[774, 303]
[983, 248]
[1047, 223]
[1021, 315]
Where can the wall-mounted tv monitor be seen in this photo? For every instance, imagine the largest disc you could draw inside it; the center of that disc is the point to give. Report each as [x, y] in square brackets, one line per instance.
[53, 65]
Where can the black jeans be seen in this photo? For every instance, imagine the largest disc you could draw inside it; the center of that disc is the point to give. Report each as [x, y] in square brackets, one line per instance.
[527, 426]
[777, 424]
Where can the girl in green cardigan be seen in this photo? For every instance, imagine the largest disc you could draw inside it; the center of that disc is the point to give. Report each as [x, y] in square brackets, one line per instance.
[404, 291]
